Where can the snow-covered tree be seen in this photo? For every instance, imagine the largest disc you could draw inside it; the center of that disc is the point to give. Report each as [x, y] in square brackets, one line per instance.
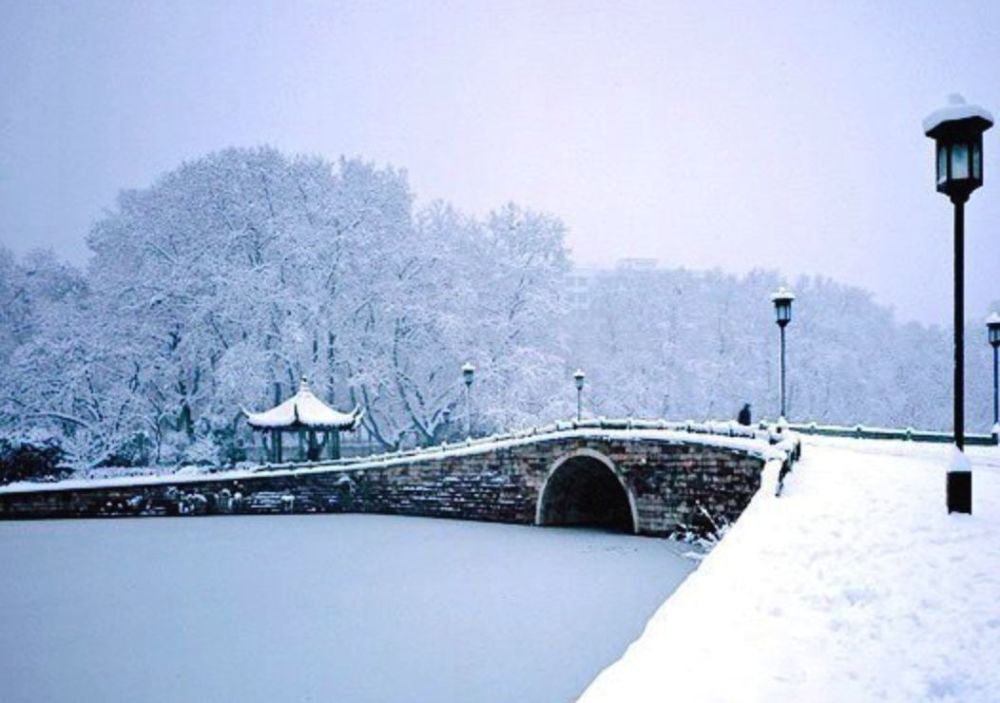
[244, 270]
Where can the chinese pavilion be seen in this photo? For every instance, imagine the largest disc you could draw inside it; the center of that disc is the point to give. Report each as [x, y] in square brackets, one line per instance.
[317, 425]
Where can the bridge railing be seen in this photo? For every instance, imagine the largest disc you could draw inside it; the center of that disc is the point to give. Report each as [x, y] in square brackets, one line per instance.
[786, 447]
[907, 435]
[723, 429]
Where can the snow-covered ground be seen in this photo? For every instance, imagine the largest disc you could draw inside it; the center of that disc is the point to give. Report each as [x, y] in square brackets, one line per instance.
[349, 608]
[855, 585]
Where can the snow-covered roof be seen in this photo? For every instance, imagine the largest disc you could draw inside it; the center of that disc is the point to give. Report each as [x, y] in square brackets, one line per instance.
[993, 319]
[304, 410]
[957, 109]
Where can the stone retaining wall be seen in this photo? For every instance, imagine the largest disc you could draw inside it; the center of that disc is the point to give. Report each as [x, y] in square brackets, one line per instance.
[672, 486]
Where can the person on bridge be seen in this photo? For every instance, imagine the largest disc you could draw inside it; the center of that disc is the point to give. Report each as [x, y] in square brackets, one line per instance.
[744, 417]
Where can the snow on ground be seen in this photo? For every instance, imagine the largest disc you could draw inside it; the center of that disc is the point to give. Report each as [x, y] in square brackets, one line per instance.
[351, 608]
[855, 585]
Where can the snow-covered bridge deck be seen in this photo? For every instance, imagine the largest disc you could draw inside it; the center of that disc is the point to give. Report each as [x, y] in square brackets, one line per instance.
[855, 585]
[643, 477]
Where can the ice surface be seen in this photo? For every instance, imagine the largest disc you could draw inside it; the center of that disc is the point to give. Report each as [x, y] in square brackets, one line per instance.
[855, 585]
[347, 608]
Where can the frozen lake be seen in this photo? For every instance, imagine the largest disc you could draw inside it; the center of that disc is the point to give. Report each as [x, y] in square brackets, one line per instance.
[319, 608]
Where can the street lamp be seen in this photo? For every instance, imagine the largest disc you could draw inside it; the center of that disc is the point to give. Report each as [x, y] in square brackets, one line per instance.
[468, 372]
[993, 329]
[782, 299]
[958, 132]
[578, 376]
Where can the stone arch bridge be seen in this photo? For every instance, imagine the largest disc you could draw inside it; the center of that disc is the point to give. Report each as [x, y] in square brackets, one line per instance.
[650, 478]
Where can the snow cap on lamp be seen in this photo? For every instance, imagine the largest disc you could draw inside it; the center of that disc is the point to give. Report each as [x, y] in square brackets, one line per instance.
[993, 328]
[958, 131]
[782, 299]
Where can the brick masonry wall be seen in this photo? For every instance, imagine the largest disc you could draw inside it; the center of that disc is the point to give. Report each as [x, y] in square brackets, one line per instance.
[670, 484]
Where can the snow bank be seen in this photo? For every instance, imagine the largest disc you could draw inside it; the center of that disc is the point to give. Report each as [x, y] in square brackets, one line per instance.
[855, 585]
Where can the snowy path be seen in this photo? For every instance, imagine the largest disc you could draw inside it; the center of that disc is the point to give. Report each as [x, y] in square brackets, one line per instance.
[349, 608]
[854, 586]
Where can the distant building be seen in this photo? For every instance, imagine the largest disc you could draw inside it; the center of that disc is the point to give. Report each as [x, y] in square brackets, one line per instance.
[580, 284]
[636, 264]
[581, 279]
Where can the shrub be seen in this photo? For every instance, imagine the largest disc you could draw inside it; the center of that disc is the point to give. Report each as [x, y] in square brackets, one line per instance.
[24, 461]
[133, 451]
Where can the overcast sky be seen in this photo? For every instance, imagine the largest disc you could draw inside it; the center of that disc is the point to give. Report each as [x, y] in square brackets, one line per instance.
[716, 134]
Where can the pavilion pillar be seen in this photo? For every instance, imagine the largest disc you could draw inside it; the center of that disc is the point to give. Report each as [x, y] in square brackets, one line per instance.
[313, 447]
[335, 444]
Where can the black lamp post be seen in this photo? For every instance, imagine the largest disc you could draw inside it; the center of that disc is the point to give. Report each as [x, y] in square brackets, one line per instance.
[579, 376]
[993, 329]
[782, 299]
[958, 132]
[468, 372]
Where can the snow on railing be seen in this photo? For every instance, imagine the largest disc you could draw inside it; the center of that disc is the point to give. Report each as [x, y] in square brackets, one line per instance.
[770, 444]
[907, 434]
[715, 428]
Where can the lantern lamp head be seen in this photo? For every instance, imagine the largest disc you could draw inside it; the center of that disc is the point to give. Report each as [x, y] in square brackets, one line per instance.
[468, 371]
[782, 299]
[993, 327]
[578, 376]
[958, 132]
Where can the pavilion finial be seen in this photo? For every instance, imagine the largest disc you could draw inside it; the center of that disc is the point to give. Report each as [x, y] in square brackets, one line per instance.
[304, 384]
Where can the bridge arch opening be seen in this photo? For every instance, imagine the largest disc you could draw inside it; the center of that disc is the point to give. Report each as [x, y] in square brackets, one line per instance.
[585, 489]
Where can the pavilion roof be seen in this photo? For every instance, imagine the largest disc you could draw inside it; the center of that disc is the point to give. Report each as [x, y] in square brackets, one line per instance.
[303, 411]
